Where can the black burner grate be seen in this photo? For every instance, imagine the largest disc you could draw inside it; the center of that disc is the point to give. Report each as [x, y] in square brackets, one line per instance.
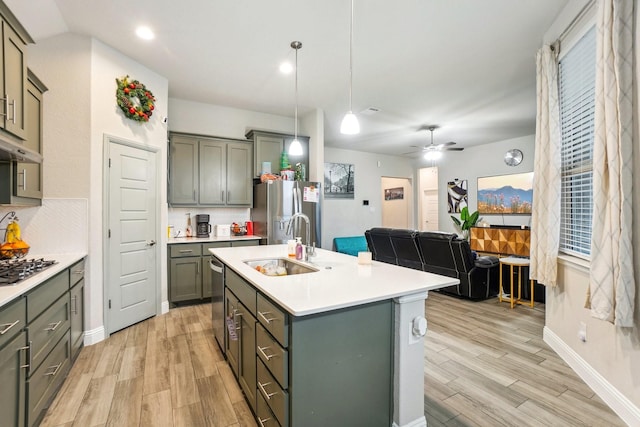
[14, 270]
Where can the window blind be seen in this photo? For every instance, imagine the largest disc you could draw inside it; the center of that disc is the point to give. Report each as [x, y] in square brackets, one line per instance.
[576, 85]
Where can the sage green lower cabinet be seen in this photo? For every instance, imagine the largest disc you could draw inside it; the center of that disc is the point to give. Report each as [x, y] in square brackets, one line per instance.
[13, 376]
[332, 368]
[190, 277]
[36, 334]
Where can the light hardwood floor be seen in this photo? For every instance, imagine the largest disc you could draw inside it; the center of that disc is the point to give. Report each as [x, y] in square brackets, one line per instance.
[485, 365]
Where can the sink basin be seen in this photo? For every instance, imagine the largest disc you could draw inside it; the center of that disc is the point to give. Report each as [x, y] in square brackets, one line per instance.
[289, 265]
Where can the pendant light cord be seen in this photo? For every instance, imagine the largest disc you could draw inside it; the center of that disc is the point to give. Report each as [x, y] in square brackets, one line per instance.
[351, 61]
[298, 46]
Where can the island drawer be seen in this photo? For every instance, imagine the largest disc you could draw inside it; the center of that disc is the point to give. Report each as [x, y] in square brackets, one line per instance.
[274, 320]
[42, 296]
[245, 292]
[264, 414]
[47, 329]
[277, 399]
[12, 320]
[275, 358]
[185, 249]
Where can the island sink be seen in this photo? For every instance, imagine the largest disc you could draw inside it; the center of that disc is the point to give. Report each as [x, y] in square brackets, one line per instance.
[279, 266]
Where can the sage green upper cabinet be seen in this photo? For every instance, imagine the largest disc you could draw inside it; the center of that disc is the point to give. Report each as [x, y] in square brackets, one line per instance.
[239, 182]
[14, 74]
[268, 146]
[207, 171]
[183, 170]
[28, 179]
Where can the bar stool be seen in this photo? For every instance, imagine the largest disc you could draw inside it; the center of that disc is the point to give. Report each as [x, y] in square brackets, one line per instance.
[515, 262]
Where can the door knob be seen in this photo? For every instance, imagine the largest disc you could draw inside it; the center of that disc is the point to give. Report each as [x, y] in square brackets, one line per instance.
[151, 243]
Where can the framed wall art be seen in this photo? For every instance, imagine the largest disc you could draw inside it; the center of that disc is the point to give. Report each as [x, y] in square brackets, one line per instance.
[339, 180]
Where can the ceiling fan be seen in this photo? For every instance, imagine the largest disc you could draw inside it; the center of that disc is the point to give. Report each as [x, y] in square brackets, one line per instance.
[433, 151]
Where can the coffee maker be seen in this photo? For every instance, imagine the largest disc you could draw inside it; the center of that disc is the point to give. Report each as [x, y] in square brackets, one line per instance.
[203, 228]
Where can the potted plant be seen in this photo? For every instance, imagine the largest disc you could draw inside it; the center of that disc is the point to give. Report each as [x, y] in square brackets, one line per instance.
[466, 221]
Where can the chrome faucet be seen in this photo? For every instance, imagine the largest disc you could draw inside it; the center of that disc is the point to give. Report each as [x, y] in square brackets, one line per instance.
[308, 248]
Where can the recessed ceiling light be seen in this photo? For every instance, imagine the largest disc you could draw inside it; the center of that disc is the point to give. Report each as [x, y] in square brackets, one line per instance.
[286, 68]
[145, 33]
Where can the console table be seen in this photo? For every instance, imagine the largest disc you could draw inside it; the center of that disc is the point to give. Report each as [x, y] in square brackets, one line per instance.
[502, 241]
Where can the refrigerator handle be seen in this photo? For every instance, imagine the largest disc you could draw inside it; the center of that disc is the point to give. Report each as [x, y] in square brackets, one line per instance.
[296, 200]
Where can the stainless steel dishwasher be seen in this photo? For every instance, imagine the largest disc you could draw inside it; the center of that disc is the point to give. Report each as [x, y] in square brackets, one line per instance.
[217, 299]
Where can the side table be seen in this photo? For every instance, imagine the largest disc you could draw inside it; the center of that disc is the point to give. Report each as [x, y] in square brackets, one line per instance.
[515, 262]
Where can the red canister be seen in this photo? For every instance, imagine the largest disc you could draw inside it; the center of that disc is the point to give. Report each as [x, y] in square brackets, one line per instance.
[249, 226]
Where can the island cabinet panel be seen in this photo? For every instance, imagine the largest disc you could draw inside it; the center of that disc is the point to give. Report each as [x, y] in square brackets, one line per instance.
[342, 367]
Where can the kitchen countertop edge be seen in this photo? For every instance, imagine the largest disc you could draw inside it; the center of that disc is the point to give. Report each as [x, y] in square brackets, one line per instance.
[9, 293]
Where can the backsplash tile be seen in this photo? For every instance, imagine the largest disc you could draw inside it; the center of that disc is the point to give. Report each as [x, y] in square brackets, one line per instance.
[178, 216]
[58, 226]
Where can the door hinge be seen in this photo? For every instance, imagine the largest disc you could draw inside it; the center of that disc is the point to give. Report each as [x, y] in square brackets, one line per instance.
[109, 303]
[109, 161]
[109, 233]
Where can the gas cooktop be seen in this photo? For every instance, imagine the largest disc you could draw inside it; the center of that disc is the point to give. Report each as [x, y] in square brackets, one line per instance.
[13, 271]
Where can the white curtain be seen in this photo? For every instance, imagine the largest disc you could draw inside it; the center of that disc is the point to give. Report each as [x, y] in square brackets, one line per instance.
[612, 284]
[545, 218]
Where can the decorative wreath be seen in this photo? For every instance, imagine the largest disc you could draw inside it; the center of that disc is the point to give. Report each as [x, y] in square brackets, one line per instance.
[134, 99]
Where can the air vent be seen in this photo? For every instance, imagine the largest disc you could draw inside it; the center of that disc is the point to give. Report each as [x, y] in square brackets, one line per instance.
[371, 111]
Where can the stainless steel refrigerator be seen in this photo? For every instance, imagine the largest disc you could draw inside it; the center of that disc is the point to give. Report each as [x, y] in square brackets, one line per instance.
[275, 202]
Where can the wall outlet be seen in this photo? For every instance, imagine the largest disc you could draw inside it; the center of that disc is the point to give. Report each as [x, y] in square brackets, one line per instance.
[582, 332]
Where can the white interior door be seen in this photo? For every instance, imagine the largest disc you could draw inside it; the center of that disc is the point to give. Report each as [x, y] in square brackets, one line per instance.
[429, 211]
[132, 250]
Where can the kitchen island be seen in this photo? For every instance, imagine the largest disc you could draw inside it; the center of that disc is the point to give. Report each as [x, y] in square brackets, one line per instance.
[342, 344]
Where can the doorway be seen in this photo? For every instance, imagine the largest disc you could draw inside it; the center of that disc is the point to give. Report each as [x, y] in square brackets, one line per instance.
[428, 191]
[397, 202]
[131, 253]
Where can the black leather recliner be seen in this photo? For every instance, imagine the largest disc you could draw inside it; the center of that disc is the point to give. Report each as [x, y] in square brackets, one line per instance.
[406, 248]
[379, 242]
[448, 255]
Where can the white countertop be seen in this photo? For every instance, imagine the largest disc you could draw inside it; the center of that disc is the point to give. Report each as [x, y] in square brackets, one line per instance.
[211, 238]
[10, 292]
[345, 284]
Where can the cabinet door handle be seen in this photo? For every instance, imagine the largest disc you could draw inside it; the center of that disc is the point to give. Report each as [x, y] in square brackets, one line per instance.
[54, 370]
[54, 327]
[8, 326]
[261, 421]
[27, 349]
[24, 179]
[267, 356]
[75, 304]
[6, 107]
[13, 108]
[262, 389]
[266, 319]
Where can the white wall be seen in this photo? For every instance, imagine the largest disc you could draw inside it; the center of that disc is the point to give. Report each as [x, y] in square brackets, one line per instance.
[348, 217]
[80, 108]
[609, 360]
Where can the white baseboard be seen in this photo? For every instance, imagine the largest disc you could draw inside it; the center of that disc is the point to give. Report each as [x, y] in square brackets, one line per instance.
[94, 336]
[419, 422]
[618, 402]
[164, 307]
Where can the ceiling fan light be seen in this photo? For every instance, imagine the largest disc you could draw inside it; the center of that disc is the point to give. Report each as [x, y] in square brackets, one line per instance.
[350, 125]
[433, 155]
[295, 148]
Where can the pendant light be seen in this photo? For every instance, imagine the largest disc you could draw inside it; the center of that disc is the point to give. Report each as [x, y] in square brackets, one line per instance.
[295, 148]
[350, 125]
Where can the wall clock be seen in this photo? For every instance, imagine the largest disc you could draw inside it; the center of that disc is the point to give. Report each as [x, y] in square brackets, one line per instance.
[513, 157]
